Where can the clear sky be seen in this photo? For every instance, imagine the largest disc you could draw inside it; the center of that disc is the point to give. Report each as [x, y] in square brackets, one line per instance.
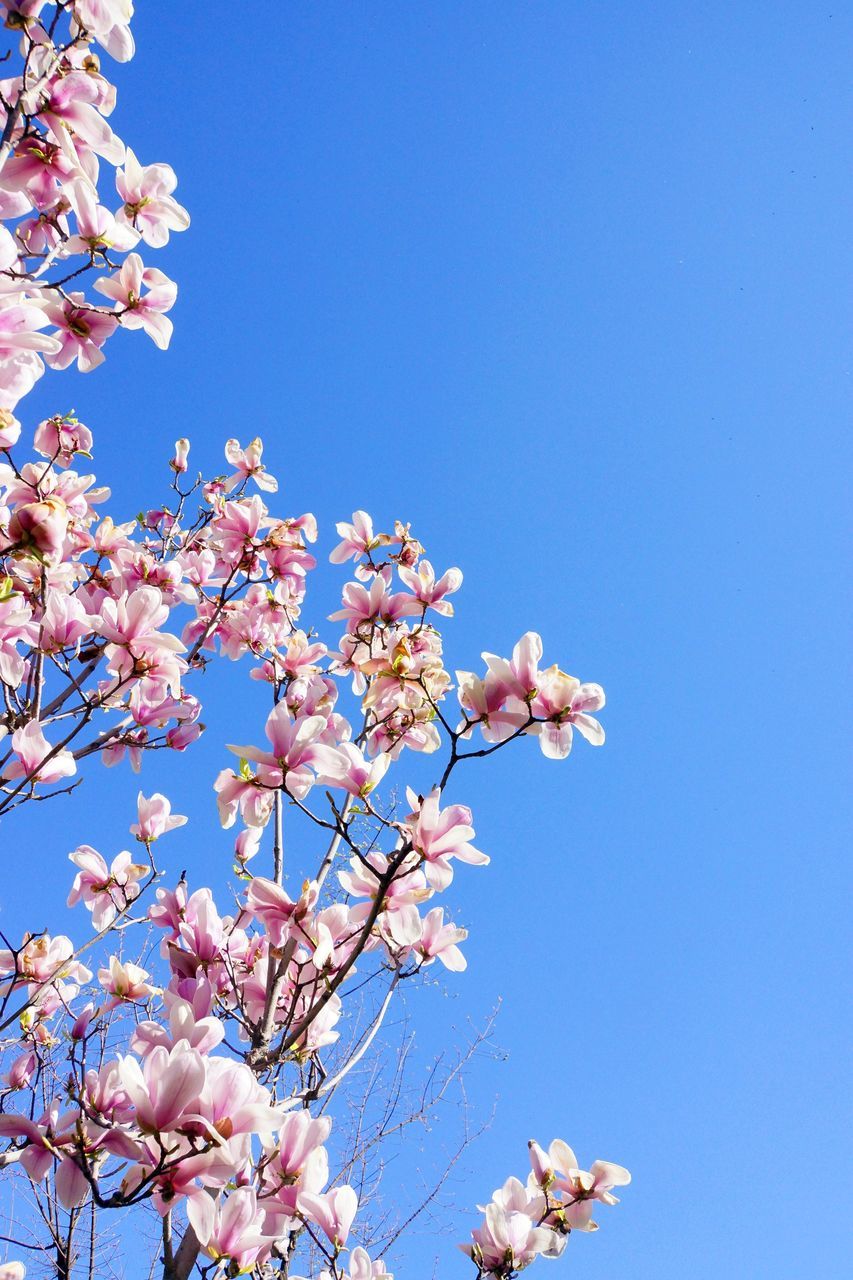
[568, 286]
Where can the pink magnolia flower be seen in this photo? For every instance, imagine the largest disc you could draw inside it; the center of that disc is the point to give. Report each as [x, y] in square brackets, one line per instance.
[63, 623]
[22, 1070]
[356, 539]
[125, 981]
[297, 747]
[155, 818]
[520, 676]
[545, 1165]
[60, 438]
[37, 168]
[374, 603]
[41, 527]
[10, 429]
[138, 310]
[242, 793]
[354, 772]
[179, 461]
[97, 229]
[248, 464]
[440, 835]
[104, 891]
[44, 962]
[12, 1271]
[565, 704]
[229, 1228]
[508, 1240]
[108, 22]
[430, 593]
[37, 760]
[82, 331]
[71, 112]
[166, 1088]
[438, 942]
[333, 1212]
[279, 913]
[149, 206]
[581, 1190]
[298, 1139]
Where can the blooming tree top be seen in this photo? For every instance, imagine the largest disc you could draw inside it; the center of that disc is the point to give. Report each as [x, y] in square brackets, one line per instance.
[201, 1077]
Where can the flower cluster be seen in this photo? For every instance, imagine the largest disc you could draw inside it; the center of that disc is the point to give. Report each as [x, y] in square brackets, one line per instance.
[198, 1076]
[101, 622]
[523, 1222]
[55, 233]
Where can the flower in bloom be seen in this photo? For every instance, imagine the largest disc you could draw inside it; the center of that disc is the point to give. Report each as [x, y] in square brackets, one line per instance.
[356, 539]
[438, 941]
[166, 1087]
[431, 593]
[149, 206]
[155, 818]
[108, 21]
[104, 891]
[248, 464]
[333, 1212]
[138, 310]
[229, 1228]
[37, 759]
[296, 745]
[125, 981]
[564, 704]
[440, 835]
[509, 1239]
[81, 331]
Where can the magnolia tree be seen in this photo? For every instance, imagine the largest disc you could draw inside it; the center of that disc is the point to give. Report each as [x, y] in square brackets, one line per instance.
[203, 1089]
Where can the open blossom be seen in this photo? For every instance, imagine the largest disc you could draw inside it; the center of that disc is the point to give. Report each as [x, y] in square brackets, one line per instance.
[440, 835]
[37, 759]
[509, 1239]
[249, 465]
[356, 539]
[297, 747]
[565, 704]
[333, 1211]
[141, 295]
[149, 206]
[438, 941]
[104, 891]
[229, 1229]
[429, 591]
[155, 818]
[82, 331]
[109, 22]
[125, 981]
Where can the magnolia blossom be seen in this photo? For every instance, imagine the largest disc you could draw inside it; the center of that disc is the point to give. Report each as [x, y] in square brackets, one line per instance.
[104, 891]
[155, 818]
[37, 760]
[138, 309]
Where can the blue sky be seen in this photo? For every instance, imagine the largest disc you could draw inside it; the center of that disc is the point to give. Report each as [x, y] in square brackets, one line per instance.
[566, 285]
